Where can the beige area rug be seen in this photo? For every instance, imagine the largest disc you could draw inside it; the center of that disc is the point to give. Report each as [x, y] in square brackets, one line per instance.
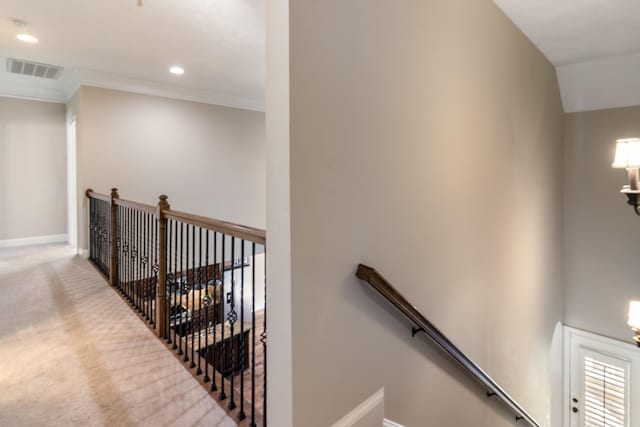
[72, 353]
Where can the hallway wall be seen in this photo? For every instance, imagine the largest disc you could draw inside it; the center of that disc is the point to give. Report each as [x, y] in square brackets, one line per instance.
[601, 230]
[426, 141]
[33, 199]
[208, 159]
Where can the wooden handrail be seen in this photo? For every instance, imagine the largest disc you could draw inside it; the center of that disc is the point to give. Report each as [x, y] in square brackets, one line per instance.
[251, 234]
[135, 205]
[93, 195]
[240, 231]
[384, 288]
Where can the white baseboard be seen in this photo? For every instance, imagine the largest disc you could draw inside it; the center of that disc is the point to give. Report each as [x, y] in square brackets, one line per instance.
[364, 410]
[368, 413]
[83, 253]
[37, 240]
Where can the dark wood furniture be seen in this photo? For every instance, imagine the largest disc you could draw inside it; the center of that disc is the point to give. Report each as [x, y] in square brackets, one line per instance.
[229, 356]
[193, 303]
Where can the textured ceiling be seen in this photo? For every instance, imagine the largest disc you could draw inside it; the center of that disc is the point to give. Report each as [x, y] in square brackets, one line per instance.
[220, 44]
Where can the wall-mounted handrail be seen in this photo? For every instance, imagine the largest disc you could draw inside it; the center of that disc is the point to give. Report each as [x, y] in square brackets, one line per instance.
[377, 282]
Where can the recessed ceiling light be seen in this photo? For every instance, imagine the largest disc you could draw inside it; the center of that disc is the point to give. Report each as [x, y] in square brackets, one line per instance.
[27, 38]
[176, 70]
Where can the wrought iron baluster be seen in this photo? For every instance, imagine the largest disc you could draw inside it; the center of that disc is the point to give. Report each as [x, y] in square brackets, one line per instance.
[169, 280]
[120, 243]
[232, 317]
[137, 291]
[91, 213]
[241, 414]
[186, 291]
[145, 263]
[263, 338]
[180, 283]
[193, 295]
[207, 302]
[175, 304]
[216, 311]
[109, 239]
[127, 248]
[200, 296]
[253, 335]
[156, 268]
[223, 350]
[132, 249]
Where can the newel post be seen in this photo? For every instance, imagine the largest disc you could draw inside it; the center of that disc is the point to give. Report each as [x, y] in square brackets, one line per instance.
[113, 270]
[161, 295]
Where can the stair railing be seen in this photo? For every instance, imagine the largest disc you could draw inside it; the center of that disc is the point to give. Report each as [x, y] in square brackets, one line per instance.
[421, 324]
[200, 283]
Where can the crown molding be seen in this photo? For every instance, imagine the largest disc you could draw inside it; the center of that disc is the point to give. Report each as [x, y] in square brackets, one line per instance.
[144, 87]
[18, 86]
[61, 90]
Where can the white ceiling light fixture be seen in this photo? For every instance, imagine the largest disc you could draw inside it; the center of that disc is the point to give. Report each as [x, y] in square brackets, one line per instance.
[178, 71]
[23, 35]
[27, 38]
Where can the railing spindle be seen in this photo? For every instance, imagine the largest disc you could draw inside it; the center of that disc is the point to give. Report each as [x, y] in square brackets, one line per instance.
[206, 378]
[232, 317]
[223, 347]
[241, 414]
[218, 307]
[200, 290]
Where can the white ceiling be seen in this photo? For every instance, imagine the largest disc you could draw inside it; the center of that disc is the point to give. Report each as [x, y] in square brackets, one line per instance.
[114, 43]
[569, 31]
[595, 45]
[588, 41]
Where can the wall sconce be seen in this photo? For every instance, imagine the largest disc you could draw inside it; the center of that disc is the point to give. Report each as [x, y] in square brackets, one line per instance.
[628, 157]
[634, 320]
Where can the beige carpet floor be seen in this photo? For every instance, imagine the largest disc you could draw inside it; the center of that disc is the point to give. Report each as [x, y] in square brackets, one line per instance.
[72, 353]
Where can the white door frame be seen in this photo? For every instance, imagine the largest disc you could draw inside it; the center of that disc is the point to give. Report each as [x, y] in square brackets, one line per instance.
[604, 345]
[72, 192]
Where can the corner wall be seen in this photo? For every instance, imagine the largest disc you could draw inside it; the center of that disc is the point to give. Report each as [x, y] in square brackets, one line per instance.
[426, 141]
[601, 230]
[33, 200]
[210, 160]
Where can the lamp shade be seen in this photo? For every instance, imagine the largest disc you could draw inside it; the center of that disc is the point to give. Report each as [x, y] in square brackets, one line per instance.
[627, 153]
[634, 315]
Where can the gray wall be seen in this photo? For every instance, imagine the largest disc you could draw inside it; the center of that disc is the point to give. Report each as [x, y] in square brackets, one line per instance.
[33, 200]
[601, 230]
[426, 141]
[209, 160]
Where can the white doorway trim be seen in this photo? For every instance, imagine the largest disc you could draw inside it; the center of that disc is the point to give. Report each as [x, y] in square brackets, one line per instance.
[576, 340]
[72, 201]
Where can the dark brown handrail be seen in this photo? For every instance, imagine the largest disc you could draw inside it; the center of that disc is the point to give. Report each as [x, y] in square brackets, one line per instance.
[240, 231]
[377, 282]
[251, 234]
[135, 205]
[92, 194]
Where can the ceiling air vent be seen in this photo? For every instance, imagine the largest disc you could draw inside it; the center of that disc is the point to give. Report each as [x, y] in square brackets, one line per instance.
[35, 69]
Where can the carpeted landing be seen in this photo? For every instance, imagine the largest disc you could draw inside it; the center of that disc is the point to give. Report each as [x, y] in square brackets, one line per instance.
[72, 353]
